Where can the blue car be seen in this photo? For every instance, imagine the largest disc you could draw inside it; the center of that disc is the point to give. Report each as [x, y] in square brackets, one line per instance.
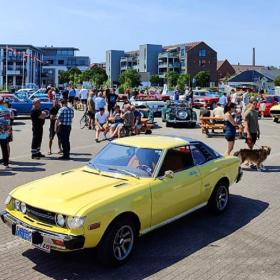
[24, 107]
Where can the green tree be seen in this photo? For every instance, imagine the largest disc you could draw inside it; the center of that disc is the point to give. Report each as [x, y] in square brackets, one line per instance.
[130, 78]
[183, 81]
[202, 79]
[98, 76]
[63, 77]
[277, 81]
[74, 75]
[171, 78]
[155, 80]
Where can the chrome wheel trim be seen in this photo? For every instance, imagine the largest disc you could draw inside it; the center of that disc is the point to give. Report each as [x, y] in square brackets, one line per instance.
[222, 198]
[123, 242]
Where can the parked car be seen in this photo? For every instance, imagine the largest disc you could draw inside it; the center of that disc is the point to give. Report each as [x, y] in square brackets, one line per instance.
[275, 113]
[178, 112]
[270, 101]
[154, 105]
[24, 107]
[132, 186]
[208, 98]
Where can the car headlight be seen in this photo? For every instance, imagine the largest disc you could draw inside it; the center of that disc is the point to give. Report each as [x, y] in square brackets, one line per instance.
[60, 221]
[23, 207]
[75, 222]
[17, 204]
[182, 114]
[8, 200]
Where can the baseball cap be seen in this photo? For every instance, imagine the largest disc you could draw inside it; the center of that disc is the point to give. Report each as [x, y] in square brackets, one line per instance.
[253, 99]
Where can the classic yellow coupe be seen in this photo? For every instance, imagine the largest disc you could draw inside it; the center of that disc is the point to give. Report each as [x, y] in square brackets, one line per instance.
[132, 186]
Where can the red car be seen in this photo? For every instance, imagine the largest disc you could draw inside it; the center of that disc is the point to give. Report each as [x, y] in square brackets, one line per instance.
[270, 100]
[201, 98]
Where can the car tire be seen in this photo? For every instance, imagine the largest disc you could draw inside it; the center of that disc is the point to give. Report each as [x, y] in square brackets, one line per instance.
[193, 125]
[113, 250]
[276, 120]
[168, 124]
[219, 199]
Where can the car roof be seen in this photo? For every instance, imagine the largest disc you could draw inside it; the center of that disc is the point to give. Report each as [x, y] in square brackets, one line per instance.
[154, 141]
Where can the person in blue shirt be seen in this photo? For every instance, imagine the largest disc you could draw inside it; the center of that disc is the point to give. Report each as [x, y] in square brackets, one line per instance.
[72, 95]
[99, 102]
[64, 118]
[5, 132]
[223, 100]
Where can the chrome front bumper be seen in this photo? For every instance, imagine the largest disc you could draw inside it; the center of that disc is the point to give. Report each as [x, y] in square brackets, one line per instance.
[55, 240]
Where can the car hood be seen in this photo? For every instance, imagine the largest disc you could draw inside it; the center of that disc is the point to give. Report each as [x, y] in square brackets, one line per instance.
[205, 98]
[70, 191]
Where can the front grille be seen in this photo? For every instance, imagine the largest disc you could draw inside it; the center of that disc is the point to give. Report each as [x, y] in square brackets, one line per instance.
[40, 215]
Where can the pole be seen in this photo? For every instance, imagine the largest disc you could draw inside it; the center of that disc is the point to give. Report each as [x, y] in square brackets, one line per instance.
[6, 68]
[23, 57]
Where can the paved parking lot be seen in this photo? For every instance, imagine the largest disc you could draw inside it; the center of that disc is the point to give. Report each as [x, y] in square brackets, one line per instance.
[243, 243]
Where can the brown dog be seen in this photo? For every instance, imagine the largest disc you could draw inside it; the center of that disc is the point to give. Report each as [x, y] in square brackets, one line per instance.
[257, 156]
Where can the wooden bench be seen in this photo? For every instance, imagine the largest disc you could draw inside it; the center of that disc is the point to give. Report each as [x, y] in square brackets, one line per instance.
[211, 123]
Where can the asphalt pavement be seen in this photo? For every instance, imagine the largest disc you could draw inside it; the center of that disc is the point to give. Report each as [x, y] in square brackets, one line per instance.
[242, 243]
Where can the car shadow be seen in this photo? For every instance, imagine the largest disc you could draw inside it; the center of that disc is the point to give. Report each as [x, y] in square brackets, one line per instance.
[19, 123]
[157, 250]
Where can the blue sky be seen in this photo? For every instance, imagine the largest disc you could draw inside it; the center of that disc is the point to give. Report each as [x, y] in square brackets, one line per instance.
[232, 28]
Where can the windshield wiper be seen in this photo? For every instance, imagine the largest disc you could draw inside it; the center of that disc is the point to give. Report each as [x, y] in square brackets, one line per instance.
[124, 171]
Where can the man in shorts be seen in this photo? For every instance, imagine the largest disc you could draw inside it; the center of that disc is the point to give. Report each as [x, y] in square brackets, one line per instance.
[84, 97]
[101, 123]
[251, 123]
[53, 113]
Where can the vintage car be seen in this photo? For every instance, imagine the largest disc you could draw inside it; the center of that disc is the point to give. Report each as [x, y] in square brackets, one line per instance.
[154, 105]
[132, 186]
[275, 113]
[205, 98]
[178, 112]
[270, 101]
[24, 107]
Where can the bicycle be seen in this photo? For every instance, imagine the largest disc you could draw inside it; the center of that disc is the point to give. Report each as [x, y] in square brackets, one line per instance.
[84, 122]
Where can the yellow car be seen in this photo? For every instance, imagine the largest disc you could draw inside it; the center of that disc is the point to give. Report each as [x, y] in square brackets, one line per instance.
[132, 186]
[275, 113]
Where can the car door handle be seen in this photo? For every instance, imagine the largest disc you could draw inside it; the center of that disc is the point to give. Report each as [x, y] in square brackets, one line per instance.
[193, 173]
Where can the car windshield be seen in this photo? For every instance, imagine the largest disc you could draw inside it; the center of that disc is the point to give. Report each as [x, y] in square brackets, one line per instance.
[128, 160]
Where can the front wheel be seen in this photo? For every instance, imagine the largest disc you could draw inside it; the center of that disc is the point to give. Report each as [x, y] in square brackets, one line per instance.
[118, 243]
[219, 199]
[276, 120]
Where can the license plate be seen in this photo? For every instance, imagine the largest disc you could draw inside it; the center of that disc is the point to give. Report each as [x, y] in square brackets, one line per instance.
[24, 233]
[43, 246]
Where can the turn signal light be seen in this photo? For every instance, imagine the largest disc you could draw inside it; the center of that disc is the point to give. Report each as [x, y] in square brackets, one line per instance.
[58, 242]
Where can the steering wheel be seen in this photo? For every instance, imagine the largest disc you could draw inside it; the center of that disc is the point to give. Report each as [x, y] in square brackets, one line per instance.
[146, 168]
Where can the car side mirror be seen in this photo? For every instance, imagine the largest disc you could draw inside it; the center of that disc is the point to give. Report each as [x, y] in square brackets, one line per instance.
[168, 174]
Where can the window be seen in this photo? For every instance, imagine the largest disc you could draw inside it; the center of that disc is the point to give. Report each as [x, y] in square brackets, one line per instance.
[202, 62]
[177, 159]
[182, 52]
[202, 153]
[50, 62]
[202, 52]
[60, 62]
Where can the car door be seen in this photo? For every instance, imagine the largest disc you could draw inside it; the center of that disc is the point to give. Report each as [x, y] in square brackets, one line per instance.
[177, 192]
[210, 167]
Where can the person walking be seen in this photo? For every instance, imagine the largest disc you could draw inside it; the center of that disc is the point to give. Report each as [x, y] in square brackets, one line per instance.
[251, 123]
[63, 125]
[91, 109]
[5, 133]
[245, 100]
[229, 127]
[52, 132]
[83, 97]
[72, 95]
[38, 121]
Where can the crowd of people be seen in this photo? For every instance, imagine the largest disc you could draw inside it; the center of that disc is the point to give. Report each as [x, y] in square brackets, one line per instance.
[237, 114]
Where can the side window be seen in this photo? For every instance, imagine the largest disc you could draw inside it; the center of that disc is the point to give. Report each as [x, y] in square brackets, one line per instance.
[177, 159]
[201, 153]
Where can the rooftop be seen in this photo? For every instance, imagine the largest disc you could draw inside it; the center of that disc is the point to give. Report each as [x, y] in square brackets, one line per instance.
[152, 142]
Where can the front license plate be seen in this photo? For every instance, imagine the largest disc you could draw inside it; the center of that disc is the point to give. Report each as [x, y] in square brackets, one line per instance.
[24, 233]
[43, 246]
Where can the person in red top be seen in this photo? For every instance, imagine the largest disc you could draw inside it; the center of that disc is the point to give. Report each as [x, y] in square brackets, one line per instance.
[50, 94]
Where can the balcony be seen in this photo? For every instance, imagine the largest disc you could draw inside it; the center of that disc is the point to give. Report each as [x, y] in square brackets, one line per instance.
[168, 55]
[13, 72]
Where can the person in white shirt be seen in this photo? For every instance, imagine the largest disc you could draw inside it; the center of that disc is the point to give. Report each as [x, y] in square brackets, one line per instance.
[233, 97]
[83, 96]
[101, 123]
[218, 112]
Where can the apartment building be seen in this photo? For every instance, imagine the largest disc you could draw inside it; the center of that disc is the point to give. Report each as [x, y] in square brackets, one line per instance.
[20, 65]
[152, 59]
[57, 59]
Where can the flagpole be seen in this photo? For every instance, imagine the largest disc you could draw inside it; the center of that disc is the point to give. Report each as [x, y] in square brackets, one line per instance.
[23, 57]
[6, 68]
